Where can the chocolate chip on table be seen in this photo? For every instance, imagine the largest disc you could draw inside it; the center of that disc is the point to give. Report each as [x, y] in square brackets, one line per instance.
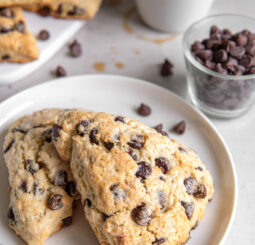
[162, 199]
[144, 170]
[132, 154]
[45, 11]
[70, 188]
[166, 68]
[55, 131]
[179, 128]
[163, 164]
[60, 178]
[201, 192]
[75, 49]
[92, 136]
[189, 208]
[23, 186]
[60, 71]
[140, 215]
[144, 110]
[9, 146]
[6, 12]
[55, 201]
[159, 241]
[191, 185]
[87, 202]
[118, 193]
[119, 119]
[81, 127]
[43, 35]
[31, 166]
[109, 145]
[67, 221]
[137, 143]
[20, 27]
[159, 129]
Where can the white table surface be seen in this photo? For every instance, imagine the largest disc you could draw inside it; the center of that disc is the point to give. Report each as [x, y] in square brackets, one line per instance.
[105, 40]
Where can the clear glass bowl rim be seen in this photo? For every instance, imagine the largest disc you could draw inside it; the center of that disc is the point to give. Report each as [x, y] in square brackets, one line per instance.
[192, 60]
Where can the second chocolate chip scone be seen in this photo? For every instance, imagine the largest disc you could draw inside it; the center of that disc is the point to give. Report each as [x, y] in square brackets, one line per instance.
[42, 190]
[138, 187]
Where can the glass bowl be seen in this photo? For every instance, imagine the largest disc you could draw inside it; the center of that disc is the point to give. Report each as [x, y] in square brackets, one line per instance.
[216, 94]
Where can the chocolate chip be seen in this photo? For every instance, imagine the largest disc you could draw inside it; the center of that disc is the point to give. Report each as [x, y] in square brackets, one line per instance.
[204, 54]
[191, 185]
[189, 208]
[237, 52]
[119, 194]
[163, 164]
[220, 56]
[241, 39]
[60, 71]
[214, 29]
[14, 130]
[219, 68]
[210, 65]
[9, 146]
[55, 130]
[250, 49]
[92, 136]
[141, 215]
[55, 201]
[201, 191]
[247, 61]
[5, 57]
[59, 9]
[199, 168]
[119, 119]
[182, 149]
[31, 166]
[23, 186]
[6, 12]
[137, 143]
[36, 189]
[70, 188]
[228, 44]
[20, 27]
[109, 145]
[43, 35]
[47, 135]
[179, 128]
[60, 178]
[162, 178]
[45, 11]
[81, 127]
[197, 46]
[11, 216]
[75, 49]
[195, 226]
[144, 110]
[162, 199]
[144, 170]
[105, 216]
[67, 221]
[87, 202]
[166, 68]
[132, 154]
[76, 11]
[159, 241]
[159, 129]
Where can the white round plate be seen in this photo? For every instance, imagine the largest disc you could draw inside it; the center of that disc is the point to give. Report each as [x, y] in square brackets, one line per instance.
[121, 96]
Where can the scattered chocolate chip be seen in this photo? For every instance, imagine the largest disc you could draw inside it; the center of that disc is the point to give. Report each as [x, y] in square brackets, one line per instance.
[144, 170]
[166, 68]
[70, 188]
[67, 221]
[137, 143]
[132, 154]
[162, 199]
[81, 127]
[45, 11]
[6, 12]
[31, 166]
[109, 145]
[141, 215]
[144, 110]
[195, 226]
[55, 201]
[179, 128]
[191, 185]
[43, 35]
[23, 186]
[55, 130]
[14, 130]
[60, 178]
[189, 208]
[47, 135]
[163, 164]
[201, 191]
[119, 119]
[20, 27]
[60, 71]
[159, 241]
[105, 216]
[159, 129]
[75, 49]
[119, 194]
[87, 202]
[92, 136]
[9, 146]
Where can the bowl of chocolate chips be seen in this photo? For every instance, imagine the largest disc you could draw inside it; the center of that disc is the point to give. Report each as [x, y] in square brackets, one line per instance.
[219, 53]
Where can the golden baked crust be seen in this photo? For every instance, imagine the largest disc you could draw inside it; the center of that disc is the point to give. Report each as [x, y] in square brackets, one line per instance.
[42, 190]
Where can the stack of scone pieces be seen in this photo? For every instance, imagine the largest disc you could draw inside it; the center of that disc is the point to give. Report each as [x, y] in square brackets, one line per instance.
[137, 186]
[17, 44]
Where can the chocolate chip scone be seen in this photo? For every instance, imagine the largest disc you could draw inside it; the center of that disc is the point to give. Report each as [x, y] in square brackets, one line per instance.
[138, 186]
[67, 9]
[8, 3]
[42, 190]
[17, 44]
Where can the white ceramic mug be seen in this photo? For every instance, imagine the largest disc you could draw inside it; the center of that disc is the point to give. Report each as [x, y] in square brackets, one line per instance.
[172, 15]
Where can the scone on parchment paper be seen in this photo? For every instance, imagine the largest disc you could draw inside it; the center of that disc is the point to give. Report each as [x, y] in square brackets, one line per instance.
[138, 187]
[42, 190]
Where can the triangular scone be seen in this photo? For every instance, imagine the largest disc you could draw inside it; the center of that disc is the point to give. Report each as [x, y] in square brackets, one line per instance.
[42, 190]
[17, 44]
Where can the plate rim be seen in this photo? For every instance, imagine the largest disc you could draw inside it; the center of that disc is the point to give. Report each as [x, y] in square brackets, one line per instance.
[153, 85]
